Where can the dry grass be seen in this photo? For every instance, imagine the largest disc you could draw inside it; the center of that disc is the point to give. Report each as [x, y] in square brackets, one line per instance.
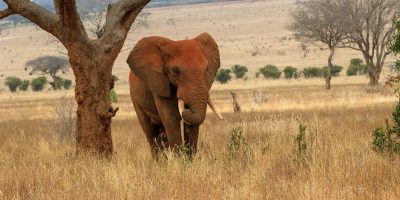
[35, 164]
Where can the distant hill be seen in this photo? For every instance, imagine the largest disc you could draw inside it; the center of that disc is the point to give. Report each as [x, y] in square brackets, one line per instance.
[48, 4]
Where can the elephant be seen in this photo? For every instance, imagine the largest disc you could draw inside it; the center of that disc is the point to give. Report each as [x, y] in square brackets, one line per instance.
[169, 87]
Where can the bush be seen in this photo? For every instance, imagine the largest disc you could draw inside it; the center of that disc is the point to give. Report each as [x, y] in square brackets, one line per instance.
[356, 67]
[239, 71]
[388, 141]
[236, 140]
[58, 83]
[290, 72]
[223, 76]
[38, 84]
[24, 85]
[335, 70]
[13, 83]
[271, 71]
[258, 74]
[113, 96]
[67, 84]
[313, 72]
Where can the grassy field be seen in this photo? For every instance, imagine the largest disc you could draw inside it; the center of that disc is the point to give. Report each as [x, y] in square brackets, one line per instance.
[263, 161]
[36, 163]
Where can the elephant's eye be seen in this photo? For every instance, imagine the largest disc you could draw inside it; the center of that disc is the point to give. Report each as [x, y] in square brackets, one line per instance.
[175, 71]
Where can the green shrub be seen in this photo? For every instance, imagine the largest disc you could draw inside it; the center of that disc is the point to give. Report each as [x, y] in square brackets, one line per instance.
[38, 84]
[24, 85]
[67, 84]
[223, 76]
[356, 67]
[236, 140]
[388, 141]
[335, 70]
[313, 72]
[13, 83]
[271, 71]
[290, 72]
[301, 144]
[113, 96]
[239, 71]
[58, 83]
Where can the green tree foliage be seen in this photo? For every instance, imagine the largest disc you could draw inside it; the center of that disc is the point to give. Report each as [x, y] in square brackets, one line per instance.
[38, 84]
[57, 83]
[313, 72]
[223, 76]
[271, 72]
[13, 83]
[239, 71]
[113, 96]
[290, 72]
[67, 84]
[356, 67]
[24, 85]
[335, 70]
[396, 45]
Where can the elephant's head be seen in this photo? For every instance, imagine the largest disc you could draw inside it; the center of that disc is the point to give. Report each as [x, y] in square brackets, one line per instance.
[187, 65]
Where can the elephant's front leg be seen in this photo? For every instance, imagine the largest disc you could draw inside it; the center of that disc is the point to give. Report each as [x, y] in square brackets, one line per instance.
[191, 137]
[168, 110]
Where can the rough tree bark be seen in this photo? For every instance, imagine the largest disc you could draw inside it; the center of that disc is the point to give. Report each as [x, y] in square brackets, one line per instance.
[91, 61]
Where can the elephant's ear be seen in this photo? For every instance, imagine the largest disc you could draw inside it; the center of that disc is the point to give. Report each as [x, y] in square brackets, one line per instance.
[210, 48]
[146, 62]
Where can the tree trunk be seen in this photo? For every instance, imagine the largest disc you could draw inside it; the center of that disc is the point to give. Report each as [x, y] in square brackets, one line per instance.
[330, 67]
[93, 73]
[373, 78]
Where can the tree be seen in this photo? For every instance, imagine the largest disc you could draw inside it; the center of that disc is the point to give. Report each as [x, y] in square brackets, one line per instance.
[24, 85]
[67, 84]
[223, 76]
[91, 61]
[317, 22]
[270, 71]
[239, 71]
[38, 83]
[13, 83]
[369, 28]
[290, 72]
[50, 65]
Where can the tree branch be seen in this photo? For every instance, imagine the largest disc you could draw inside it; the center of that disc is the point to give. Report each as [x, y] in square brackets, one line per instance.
[5, 13]
[45, 19]
[120, 17]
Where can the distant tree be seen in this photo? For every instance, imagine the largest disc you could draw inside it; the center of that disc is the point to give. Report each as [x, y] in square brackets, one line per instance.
[223, 76]
[317, 22]
[313, 72]
[67, 84]
[38, 84]
[369, 27]
[290, 72]
[336, 69]
[270, 71]
[356, 67]
[13, 83]
[24, 85]
[49, 65]
[239, 71]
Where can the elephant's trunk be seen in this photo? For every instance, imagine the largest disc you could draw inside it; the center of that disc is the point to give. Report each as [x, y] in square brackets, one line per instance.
[195, 111]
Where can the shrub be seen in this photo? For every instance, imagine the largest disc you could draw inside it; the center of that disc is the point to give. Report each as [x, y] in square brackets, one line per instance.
[258, 74]
[67, 84]
[236, 140]
[335, 70]
[356, 67]
[38, 84]
[290, 72]
[58, 83]
[301, 144]
[388, 141]
[13, 83]
[271, 71]
[113, 96]
[313, 72]
[223, 75]
[24, 85]
[239, 71]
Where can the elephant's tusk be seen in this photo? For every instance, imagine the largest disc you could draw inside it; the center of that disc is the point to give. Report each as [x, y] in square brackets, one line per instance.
[214, 109]
[183, 131]
[181, 107]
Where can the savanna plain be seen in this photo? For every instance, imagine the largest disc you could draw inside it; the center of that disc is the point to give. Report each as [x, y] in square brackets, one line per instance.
[260, 153]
